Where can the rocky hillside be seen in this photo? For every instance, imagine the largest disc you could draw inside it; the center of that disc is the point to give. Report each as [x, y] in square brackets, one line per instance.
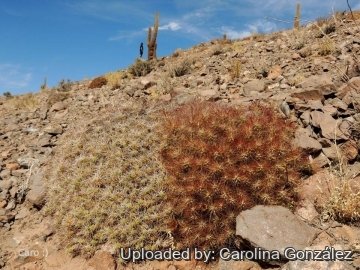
[311, 76]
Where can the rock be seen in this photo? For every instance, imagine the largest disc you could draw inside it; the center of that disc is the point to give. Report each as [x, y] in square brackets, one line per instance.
[254, 86]
[329, 109]
[319, 162]
[6, 216]
[305, 142]
[306, 211]
[5, 174]
[209, 93]
[237, 265]
[54, 129]
[317, 188]
[328, 125]
[352, 85]
[305, 117]
[274, 72]
[146, 83]
[23, 213]
[102, 260]
[349, 150]
[5, 154]
[37, 192]
[58, 106]
[44, 140]
[12, 166]
[5, 185]
[322, 83]
[307, 95]
[264, 227]
[296, 56]
[337, 103]
[315, 118]
[3, 203]
[331, 152]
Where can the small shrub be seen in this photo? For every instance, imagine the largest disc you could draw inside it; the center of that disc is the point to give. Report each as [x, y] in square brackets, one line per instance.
[140, 68]
[329, 28]
[221, 160]
[55, 96]
[180, 69]
[344, 204]
[326, 47]
[235, 69]
[7, 94]
[176, 53]
[114, 79]
[98, 82]
[27, 102]
[44, 86]
[64, 85]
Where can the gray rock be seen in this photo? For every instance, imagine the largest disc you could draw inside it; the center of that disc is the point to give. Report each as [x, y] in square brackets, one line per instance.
[54, 129]
[329, 109]
[331, 152]
[6, 216]
[254, 86]
[315, 118]
[23, 213]
[265, 227]
[322, 83]
[44, 140]
[328, 125]
[5, 185]
[58, 106]
[305, 117]
[338, 103]
[319, 162]
[37, 192]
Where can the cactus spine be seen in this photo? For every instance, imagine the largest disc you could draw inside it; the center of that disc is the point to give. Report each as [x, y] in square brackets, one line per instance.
[152, 35]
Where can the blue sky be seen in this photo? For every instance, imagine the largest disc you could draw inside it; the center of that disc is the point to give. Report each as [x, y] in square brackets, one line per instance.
[77, 39]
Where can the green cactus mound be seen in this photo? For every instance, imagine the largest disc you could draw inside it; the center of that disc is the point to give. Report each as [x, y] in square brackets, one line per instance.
[105, 186]
[221, 160]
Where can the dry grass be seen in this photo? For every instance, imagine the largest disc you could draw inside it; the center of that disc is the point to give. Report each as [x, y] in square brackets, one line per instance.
[27, 102]
[326, 47]
[140, 68]
[54, 96]
[105, 186]
[114, 79]
[180, 68]
[235, 69]
[343, 204]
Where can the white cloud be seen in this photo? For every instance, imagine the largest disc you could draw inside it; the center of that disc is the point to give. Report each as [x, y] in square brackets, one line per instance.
[127, 35]
[172, 26]
[14, 76]
[234, 34]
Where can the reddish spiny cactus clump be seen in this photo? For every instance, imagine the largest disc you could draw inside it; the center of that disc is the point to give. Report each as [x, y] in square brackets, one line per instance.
[221, 160]
[98, 82]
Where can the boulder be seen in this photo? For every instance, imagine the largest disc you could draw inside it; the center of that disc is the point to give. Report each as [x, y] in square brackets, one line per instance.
[58, 106]
[305, 142]
[254, 86]
[264, 227]
[322, 83]
[37, 192]
[54, 129]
